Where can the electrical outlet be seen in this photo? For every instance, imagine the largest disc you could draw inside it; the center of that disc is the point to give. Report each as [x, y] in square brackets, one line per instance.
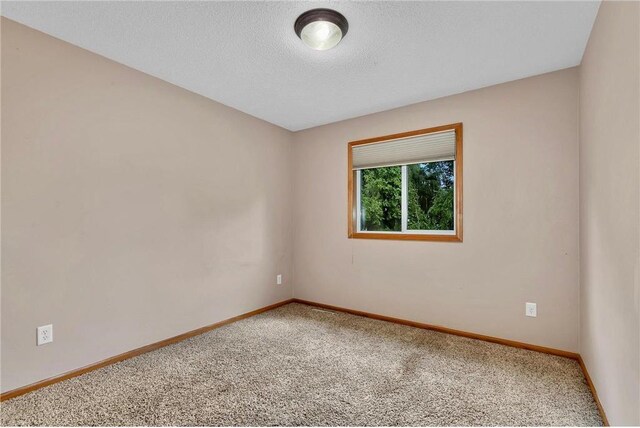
[279, 279]
[531, 310]
[45, 334]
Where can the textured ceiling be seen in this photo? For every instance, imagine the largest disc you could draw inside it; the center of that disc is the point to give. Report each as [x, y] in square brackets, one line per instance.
[247, 56]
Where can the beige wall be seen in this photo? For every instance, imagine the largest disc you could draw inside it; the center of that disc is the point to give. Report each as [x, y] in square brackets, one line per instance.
[132, 210]
[520, 218]
[609, 209]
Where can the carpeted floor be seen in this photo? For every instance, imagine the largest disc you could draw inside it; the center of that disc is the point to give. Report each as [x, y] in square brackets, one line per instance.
[297, 365]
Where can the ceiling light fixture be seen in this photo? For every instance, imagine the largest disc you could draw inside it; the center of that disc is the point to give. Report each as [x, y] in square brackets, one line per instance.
[321, 29]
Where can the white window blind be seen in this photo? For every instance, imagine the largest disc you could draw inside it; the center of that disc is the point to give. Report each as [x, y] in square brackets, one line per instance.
[434, 147]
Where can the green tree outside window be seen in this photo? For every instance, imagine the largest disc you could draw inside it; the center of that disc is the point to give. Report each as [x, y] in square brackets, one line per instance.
[430, 197]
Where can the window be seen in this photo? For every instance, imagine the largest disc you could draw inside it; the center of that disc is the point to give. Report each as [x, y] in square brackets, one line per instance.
[407, 186]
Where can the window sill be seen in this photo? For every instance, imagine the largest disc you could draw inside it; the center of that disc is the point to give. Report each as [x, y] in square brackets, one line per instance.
[406, 236]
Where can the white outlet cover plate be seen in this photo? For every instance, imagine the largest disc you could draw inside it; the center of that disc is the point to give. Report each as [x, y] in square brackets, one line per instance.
[45, 334]
[531, 310]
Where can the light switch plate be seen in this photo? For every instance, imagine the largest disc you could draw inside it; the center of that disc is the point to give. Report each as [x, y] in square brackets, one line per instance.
[279, 279]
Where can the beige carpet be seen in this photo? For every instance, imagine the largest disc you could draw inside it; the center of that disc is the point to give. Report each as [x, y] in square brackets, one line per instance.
[297, 365]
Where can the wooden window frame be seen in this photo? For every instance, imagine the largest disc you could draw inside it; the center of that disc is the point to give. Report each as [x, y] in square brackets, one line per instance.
[403, 236]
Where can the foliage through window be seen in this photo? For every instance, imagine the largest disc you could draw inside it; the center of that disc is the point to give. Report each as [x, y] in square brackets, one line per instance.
[429, 205]
[430, 196]
[417, 200]
[380, 199]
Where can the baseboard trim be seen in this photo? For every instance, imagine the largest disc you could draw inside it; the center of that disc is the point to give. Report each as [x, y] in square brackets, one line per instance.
[592, 387]
[134, 353]
[507, 342]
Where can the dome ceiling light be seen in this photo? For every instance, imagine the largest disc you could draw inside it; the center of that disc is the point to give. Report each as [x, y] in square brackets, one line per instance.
[321, 29]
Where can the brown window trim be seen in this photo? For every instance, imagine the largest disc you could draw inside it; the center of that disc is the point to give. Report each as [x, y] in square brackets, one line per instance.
[352, 214]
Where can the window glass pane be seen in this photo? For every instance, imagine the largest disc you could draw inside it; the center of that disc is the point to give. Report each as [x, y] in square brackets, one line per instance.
[380, 199]
[430, 193]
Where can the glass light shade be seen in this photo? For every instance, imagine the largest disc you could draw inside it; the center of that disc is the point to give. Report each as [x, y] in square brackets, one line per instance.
[321, 35]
